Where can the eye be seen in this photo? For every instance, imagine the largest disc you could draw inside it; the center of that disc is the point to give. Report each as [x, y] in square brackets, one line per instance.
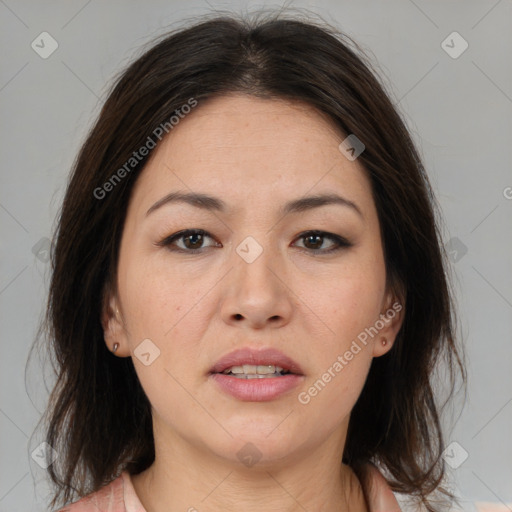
[193, 240]
[315, 239]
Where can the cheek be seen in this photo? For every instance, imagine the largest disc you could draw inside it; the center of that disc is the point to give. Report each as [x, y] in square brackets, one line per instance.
[348, 300]
[170, 309]
[160, 307]
[150, 307]
[348, 304]
[353, 304]
[156, 296]
[332, 393]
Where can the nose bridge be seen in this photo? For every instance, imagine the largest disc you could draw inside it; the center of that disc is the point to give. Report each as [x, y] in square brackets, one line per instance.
[259, 260]
[255, 290]
[258, 247]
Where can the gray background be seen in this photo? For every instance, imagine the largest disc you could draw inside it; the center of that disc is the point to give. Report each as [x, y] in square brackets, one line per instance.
[458, 109]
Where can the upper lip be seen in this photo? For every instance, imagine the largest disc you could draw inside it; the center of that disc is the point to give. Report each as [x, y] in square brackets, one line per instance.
[248, 355]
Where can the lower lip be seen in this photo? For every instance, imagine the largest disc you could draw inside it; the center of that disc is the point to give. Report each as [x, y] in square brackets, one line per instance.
[257, 390]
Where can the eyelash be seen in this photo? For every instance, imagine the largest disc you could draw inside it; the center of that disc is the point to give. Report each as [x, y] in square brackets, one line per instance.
[167, 241]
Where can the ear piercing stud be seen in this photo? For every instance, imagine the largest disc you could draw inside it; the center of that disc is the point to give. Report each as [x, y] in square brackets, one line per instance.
[116, 346]
[384, 342]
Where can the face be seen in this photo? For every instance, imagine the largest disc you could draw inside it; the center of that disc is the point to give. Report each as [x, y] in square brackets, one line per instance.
[254, 277]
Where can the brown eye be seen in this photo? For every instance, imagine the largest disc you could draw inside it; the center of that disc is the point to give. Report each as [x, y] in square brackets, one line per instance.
[313, 240]
[192, 241]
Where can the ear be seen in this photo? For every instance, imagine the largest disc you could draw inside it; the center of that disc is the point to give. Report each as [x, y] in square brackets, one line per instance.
[391, 319]
[114, 330]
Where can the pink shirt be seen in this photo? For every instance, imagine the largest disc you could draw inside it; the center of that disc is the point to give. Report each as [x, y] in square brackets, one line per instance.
[119, 496]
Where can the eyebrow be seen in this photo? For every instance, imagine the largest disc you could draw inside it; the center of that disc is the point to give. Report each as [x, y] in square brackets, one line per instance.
[210, 203]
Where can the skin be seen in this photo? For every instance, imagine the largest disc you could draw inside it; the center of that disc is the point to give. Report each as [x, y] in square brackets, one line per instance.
[255, 155]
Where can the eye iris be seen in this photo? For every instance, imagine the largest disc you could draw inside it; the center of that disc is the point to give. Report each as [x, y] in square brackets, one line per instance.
[194, 240]
[198, 242]
[319, 239]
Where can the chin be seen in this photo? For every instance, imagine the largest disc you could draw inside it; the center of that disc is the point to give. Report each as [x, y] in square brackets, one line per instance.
[259, 444]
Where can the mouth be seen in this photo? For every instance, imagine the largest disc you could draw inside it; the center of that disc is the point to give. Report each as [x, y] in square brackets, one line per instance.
[248, 363]
[251, 375]
[251, 371]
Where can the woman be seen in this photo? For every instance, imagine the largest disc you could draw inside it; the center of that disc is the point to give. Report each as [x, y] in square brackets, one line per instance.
[250, 232]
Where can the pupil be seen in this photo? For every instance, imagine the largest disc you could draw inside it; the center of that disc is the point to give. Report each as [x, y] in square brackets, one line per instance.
[317, 237]
[197, 242]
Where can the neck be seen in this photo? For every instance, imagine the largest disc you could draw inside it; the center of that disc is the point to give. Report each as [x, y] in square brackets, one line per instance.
[193, 479]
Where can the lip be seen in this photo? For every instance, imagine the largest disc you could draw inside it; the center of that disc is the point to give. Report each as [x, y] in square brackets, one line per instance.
[252, 356]
[256, 390]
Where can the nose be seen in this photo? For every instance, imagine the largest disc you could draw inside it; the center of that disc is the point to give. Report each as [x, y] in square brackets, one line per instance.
[257, 293]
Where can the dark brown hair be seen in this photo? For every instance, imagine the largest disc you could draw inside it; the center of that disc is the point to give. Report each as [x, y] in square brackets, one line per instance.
[98, 416]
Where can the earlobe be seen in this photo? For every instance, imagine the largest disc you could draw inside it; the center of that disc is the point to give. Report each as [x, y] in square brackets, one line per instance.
[391, 320]
[112, 324]
[382, 346]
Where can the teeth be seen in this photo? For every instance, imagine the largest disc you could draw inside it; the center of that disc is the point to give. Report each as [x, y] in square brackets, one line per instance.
[244, 376]
[254, 370]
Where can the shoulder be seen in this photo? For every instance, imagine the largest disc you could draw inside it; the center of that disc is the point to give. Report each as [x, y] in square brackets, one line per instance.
[371, 493]
[380, 495]
[109, 498]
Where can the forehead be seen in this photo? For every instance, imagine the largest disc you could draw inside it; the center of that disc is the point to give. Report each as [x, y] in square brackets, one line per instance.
[260, 149]
[229, 123]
